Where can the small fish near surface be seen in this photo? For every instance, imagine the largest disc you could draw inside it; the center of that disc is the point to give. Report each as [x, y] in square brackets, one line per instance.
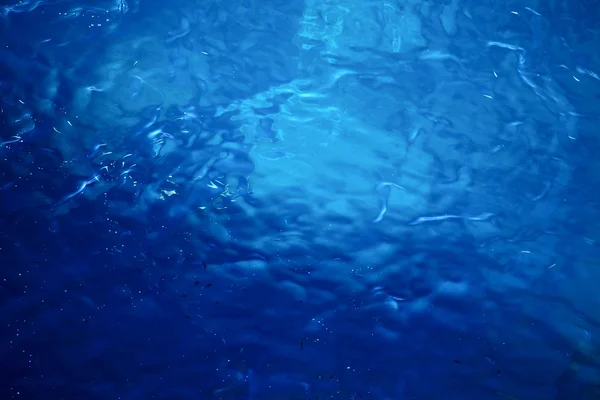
[151, 114]
[444, 217]
[96, 150]
[383, 190]
[81, 188]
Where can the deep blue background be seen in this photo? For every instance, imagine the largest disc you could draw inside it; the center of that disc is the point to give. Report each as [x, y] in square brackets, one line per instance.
[332, 199]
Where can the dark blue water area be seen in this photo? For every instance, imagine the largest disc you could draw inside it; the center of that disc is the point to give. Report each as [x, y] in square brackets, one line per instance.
[310, 200]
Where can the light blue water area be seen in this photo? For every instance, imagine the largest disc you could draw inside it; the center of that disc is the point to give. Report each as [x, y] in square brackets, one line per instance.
[318, 199]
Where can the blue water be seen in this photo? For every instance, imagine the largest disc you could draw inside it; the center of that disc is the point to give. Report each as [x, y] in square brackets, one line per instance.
[319, 199]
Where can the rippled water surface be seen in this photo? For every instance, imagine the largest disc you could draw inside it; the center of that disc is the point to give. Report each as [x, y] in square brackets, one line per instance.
[319, 199]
